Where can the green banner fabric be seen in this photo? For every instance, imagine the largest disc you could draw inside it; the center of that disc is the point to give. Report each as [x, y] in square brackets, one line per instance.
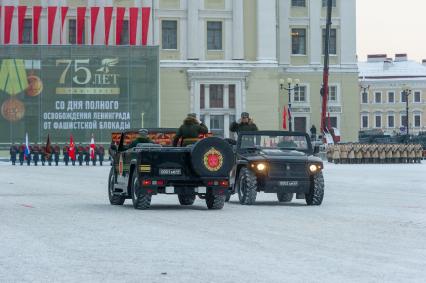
[76, 90]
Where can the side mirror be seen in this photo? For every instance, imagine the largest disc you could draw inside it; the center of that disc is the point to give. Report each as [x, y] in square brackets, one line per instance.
[316, 149]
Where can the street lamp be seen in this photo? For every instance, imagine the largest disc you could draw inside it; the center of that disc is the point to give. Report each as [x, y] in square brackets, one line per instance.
[406, 91]
[289, 88]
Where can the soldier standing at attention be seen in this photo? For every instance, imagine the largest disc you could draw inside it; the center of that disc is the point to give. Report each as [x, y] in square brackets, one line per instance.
[80, 150]
[66, 154]
[190, 131]
[101, 153]
[21, 154]
[351, 154]
[86, 154]
[336, 154]
[43, 155]
[389, 156]
[382, 153]
[245, 124]
[56, 153]
[28, 157]
[36, 154]
[13, 151]
[343, 154]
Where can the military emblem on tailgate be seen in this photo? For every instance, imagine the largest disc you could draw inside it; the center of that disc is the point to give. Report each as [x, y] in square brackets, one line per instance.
[213, 160]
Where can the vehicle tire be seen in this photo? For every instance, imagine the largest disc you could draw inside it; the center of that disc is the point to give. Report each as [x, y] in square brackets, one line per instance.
[219, 165]
[113, 199]
[284, 197]
[316, 192]
[247, 187]
[186, 199]
[228, 196]
[140, 201]
[215, 201]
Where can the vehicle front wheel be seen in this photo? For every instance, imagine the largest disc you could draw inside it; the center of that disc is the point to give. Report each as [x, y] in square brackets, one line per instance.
[186, 199]
[215, 201]
[284, 197]
[140, 201]
[114, 199]
[247, 187]
[316, 191]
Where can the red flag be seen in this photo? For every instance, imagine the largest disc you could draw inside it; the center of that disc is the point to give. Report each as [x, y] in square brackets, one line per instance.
[8, 16]
[21, 17]
[71, 150]
[134, 13]
[92, 148]
[64, 11]
[119, 24]
[285, 118]
[107, 19]
[81, 18]
[48, 147]
[36, 17]
[146, 11]
[51, 14]
[94, 11]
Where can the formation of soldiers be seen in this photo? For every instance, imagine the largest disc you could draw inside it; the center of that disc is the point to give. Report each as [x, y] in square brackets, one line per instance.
[52, 154]
[374, 153]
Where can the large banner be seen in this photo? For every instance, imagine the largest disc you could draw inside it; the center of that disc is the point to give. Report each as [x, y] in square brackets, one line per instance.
[78, 90]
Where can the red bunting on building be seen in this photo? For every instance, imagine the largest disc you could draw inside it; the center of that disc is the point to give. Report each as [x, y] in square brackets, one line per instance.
[64, 11]
[107, 19]
[285, 118]
[36, 22]
[134, 13]
[119, 24]
[81, 18]
[94, 11]
[146, 11]
[8, 16]
[21, 18]
[51, 14]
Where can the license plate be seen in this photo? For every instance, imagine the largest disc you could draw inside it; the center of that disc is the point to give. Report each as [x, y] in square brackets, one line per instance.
[170, 172]
[289, 183]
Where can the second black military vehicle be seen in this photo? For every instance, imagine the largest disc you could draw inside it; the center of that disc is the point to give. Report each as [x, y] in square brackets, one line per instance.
[277, 162]
[148, 169]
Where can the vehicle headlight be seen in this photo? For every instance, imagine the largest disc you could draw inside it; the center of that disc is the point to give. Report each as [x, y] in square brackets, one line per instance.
[261, 166]
[314, 168]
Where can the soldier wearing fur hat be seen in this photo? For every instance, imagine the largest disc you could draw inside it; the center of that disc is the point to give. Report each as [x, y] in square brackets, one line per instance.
[190, 131]
[142, 138]
[245, 124]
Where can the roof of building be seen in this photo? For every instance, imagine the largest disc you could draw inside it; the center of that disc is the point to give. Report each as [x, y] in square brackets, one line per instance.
[388, 68]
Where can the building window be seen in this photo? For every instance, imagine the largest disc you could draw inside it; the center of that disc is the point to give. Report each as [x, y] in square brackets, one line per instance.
[391, 97]
[378, 97]
[217, 125]
[169, 34]
[216, 96]
[417, 97]
[298, 41]
[403, 97]
[364, 97]
[324, 3]
[333, 41]
[72, 31]
[364, 121]
[333, 122]
[378, 121]
[332, 94]
[391, 121]
[300, 94]
[298, 3]
[417, 120]
[403, 120]
[27, 37]
[202, 96]
[214, 35]
[124, 37]
[231, 97]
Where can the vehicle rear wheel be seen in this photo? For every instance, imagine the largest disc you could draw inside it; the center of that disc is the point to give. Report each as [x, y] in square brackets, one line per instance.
[140, 201]
[247, 187]
[215, 201]
[186, 199]
[284, 197]
[113, 199]
[316, 192]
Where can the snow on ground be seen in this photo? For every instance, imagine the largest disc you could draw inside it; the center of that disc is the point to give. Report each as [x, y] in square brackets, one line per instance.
[57, 225]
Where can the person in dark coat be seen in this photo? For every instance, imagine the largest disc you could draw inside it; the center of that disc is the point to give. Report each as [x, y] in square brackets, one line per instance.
[49, 154]
[142, 138]
[43, 155]
[313, 131]
[13, 152]
[36, 154]
[65, 152]
[101, 153]
[56, 154]
[21, 153]
[28, 157]
[245, 124]
[80, 150]
[86, 154]
[190, 131]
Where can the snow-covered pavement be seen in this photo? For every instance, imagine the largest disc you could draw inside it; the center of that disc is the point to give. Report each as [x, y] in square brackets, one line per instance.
[56, 225]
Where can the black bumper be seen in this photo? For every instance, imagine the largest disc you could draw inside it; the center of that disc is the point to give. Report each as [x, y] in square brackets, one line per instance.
[287, 186]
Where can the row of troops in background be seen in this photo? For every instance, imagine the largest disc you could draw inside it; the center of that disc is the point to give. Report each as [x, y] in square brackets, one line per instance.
[51, 154]
[374, 153]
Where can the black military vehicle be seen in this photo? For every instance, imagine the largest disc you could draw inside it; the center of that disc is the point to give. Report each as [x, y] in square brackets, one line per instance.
[277, 162]
[148, 169]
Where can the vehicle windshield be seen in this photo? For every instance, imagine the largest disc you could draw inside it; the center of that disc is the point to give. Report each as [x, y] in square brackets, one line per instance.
[274, 142]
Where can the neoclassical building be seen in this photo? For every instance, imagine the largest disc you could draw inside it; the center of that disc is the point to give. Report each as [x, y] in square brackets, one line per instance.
[222, 57]
[383, 102]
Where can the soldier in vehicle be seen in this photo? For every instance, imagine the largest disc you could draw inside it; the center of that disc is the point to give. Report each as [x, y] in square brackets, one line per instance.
[101, 153]
[190, 131]
[142, 138]
[245, 124]
[313, 131]
[65, 152]
[13, 152]
[21, 154]
[36, 153]
[56, 153]
[80, 150]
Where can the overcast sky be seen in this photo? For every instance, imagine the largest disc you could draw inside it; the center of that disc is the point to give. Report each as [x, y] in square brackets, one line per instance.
[391, 26]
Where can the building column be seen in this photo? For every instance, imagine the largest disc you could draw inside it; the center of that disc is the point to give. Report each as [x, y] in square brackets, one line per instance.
[347, 32]
[237, 30]
[193, 26]
[266, 30]
[314, 32]
[284, 32]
